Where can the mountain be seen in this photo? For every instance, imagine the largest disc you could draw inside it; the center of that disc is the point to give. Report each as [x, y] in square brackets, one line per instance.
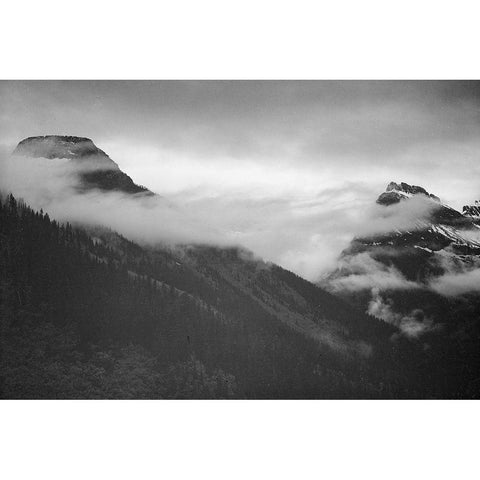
[473, 210]
[439, 234]
[443, 231]
[440, 213]
[96, 170]
[86, 313]
[396, 192]
[423, 280]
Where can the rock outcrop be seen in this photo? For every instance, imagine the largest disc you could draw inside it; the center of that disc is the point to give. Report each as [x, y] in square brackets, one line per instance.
[395, 192]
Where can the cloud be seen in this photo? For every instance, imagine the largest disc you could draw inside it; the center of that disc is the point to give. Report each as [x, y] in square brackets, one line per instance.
[325, 132]
[362, 272]
[284, 231]
[402, 216]
[461, 273]
[455, 284]
[291, 170]
[412, 325]
[52, 184]
[304, 231]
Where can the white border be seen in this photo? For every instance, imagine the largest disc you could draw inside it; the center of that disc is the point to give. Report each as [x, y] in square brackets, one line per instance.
[301, 39]
[240, 40]
[239, 440]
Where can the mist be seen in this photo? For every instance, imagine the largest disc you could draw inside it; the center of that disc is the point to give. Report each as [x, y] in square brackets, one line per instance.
[460, 278]
[413, 325]
[54, 185]
[303, 234]
[289, 170]
[366, 273]
[270, 138]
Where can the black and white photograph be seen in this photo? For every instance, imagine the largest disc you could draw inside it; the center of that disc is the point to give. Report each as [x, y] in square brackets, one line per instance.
[239, 240]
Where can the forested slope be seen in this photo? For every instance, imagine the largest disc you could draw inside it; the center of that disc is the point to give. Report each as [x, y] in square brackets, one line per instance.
[88, 314]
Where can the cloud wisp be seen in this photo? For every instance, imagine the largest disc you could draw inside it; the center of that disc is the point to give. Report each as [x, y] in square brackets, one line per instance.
[366, 273]
[413, 325]
[303, 233]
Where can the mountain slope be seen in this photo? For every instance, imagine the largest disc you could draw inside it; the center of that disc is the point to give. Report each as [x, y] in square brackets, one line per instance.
[87, 313]
[81, 313]
[445, 232]
[422, 281]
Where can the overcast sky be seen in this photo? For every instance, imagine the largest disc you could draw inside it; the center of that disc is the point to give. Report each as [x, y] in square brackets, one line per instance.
[263, 155]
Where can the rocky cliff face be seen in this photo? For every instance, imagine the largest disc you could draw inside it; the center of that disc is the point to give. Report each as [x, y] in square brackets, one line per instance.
[395, 192]
[472, 210]
[440, 213]
[96, 169]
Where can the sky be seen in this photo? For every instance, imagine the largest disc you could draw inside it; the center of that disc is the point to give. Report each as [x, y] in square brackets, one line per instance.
[290, 169]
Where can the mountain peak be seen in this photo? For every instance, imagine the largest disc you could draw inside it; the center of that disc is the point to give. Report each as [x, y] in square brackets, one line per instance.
[102, 172]
[395, 192]
[472, 210]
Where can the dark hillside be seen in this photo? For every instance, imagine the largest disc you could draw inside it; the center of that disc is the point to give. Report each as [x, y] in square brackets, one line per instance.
[91, 318]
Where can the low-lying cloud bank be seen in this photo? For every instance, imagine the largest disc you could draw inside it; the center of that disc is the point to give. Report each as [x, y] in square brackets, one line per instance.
[455, 284]
[53, 184]
[305, 234]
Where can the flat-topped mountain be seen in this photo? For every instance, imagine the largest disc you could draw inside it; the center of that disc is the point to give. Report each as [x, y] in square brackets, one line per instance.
[96, 169]
[58, 146]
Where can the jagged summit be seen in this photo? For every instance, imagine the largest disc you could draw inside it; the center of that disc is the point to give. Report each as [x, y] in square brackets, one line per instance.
[472, 210]
[440, 212]
[410, 189]
[395, 192]
[98, 170]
